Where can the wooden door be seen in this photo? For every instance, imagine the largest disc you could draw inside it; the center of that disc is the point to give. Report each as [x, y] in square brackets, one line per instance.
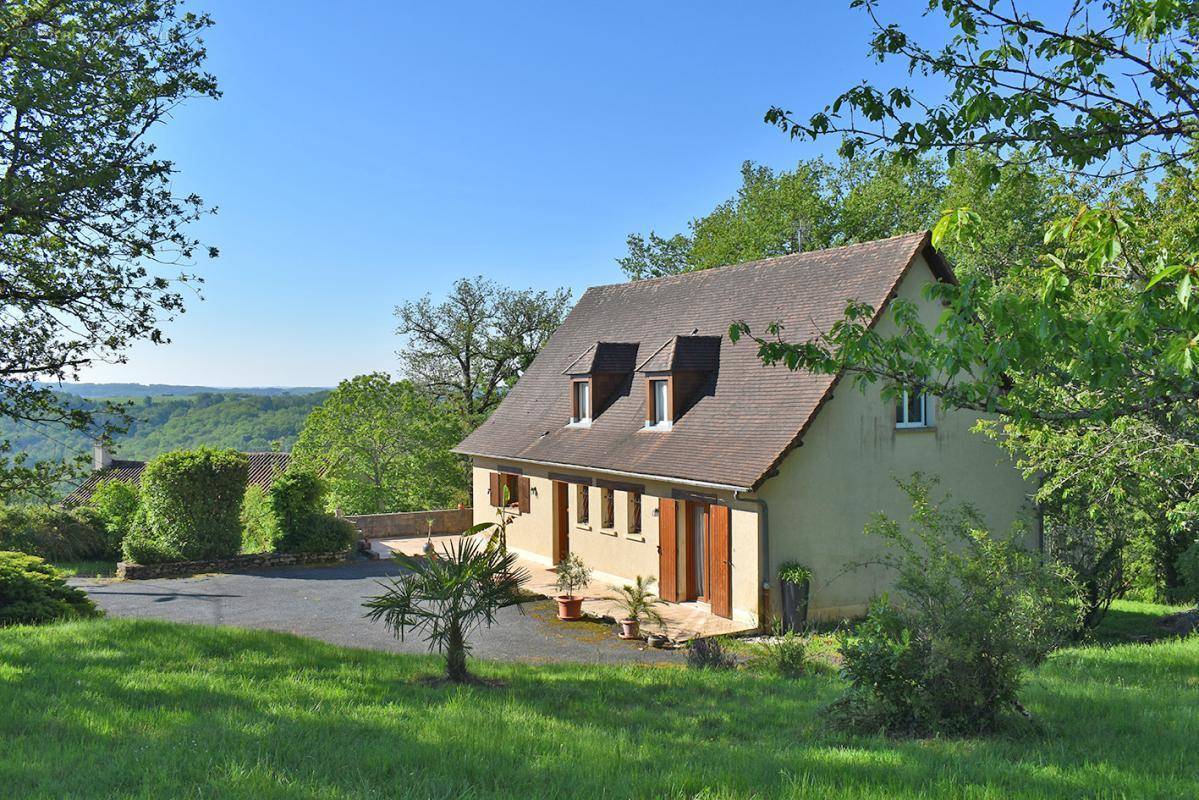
[720, 565]
[561, 546]
[668, 551]
[698, 570]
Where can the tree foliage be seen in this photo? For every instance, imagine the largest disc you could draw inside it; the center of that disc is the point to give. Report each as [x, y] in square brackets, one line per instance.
[384, 445]
[472, 346]
[91, 224]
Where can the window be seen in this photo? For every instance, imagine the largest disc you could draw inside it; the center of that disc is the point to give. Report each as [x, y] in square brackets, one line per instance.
[635, 513]
[580, 406]
[659, 402]
[607, 508]
[582, 504]
[913, 410]
[505, 489]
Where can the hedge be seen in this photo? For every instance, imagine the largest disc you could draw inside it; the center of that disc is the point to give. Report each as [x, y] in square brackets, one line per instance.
[297, 502]
[53, 533]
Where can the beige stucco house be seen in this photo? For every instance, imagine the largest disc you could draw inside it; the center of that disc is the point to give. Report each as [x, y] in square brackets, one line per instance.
[647, 442]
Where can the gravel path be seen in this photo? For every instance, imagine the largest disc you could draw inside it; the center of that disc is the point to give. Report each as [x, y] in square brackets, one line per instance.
[326, 603]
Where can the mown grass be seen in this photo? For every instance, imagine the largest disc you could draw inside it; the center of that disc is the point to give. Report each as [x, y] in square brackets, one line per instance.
[87, 569]
[122, 708]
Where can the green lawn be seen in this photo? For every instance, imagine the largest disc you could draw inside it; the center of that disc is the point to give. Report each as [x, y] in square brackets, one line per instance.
[88, 569]
[120, 708]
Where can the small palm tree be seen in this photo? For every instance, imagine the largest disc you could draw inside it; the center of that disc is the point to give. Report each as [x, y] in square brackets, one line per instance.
[639, 602]
[449, 597]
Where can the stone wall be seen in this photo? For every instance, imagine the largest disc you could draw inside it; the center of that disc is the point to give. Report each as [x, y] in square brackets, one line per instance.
[127, 570]
[412, 523]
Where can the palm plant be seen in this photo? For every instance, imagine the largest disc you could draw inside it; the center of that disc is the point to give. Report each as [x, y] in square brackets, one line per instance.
[448, 597]
[639, 602]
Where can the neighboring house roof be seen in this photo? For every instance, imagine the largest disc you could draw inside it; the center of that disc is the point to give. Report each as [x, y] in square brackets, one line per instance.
[264, 468]
[743, 424]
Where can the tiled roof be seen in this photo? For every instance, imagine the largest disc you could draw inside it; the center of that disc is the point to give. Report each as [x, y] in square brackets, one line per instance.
[735, 433]
[264, 468]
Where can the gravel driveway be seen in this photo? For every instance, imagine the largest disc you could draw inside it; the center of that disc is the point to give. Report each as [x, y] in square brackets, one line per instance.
[326, 603]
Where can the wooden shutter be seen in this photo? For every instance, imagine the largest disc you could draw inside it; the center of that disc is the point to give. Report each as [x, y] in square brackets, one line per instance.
[523, 494]
[668, 551]
[497, 492]
[721, 564]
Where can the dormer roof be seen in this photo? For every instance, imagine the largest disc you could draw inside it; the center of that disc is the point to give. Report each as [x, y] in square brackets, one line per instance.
[684, 354]
[604, 357]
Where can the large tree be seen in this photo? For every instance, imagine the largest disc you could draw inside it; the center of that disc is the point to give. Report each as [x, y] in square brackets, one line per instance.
[384, 445]
[92, 227]
[472, 346]
[1090, 337]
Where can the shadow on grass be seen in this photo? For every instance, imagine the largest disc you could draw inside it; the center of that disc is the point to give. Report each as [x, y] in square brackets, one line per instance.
[109, 708]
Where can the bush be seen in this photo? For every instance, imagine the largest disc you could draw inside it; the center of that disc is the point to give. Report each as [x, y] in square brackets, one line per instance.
[114, 503]
[786, 655]
[794, 572]
[709, 654]
[54, 534]
[296, 500]
[33, 592]
[259, 529]
[191, 503]
[1188, 572]
[976, 610]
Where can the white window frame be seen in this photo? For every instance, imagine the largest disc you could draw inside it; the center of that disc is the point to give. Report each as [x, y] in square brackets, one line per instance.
[902, 420]
[584, 418]
[659, 407]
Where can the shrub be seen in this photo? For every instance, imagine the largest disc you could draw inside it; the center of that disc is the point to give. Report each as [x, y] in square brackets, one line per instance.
[296, 500]
[976, 610]
[709, 654]
[259, 529]
[786, 654]
[191, 503]
[54, 534]
[1188, 572]
[572, 574]
[33, 592]
[114, 503]
[794, 572]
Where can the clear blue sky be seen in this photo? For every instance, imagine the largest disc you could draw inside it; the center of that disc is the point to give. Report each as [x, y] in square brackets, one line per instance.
[367, 153]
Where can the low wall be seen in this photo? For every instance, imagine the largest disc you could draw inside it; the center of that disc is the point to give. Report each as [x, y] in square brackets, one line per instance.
[128, 570]
[412, 523]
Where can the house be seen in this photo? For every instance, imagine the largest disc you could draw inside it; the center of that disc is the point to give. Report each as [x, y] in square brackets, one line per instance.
[264, 468]
[647, 442]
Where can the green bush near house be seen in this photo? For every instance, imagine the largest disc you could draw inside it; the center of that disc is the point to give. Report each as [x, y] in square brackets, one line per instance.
[259, 530]
[296, 501]
[54, 534]
[32, 592]
[190, 507]
[114, 504]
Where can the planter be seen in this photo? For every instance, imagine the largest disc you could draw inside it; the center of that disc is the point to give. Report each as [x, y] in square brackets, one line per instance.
[569, 608]
[795, 605]
[657, 640]
[630, 629]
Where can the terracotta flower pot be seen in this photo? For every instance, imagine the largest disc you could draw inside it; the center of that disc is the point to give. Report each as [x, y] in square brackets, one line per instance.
[569, 608]
[630, 629]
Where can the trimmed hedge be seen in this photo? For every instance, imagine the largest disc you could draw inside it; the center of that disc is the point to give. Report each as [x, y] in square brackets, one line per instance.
[190, 507]
[114, 503]
[54, 534]
[297, 502]
[258, 527]
[33, 592]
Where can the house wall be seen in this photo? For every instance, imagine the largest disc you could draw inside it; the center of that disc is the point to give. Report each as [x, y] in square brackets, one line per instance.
[829, 489]
[614, 554]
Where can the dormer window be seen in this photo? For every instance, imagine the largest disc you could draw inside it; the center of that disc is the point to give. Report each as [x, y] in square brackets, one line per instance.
[681, 371]
[659, 402]
[580, 401]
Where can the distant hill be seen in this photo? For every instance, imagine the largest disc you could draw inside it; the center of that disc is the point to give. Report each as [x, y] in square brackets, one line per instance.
[103, 390]
[229, 418]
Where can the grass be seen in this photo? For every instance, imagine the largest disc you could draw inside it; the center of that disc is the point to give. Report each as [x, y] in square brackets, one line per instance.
[123, 708]
[88, 569]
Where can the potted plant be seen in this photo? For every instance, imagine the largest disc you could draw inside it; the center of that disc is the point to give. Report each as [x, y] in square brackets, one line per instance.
[638, 603]
[795, 579]
[573, 575]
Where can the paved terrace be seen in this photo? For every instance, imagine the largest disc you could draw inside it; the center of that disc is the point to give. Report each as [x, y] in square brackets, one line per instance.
[684, 621]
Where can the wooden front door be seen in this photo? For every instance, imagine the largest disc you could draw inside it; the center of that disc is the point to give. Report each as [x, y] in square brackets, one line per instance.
[561, 521]
[720, 561]
[668, 551]
[699, 571]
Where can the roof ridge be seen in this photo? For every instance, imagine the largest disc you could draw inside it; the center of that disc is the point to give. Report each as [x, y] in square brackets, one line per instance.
[758, 262]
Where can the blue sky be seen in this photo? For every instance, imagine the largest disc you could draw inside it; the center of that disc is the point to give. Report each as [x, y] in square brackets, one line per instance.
[367, 153]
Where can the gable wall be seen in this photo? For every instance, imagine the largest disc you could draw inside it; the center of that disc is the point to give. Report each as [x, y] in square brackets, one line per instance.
[829, 489]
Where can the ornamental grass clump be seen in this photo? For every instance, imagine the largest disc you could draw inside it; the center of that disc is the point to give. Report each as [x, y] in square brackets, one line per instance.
[974, 611]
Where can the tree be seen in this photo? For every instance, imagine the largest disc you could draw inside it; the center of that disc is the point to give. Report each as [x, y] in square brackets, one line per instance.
[450, 595]
[90, 220]
[471, 347]
[1093, 329]
[384, 445]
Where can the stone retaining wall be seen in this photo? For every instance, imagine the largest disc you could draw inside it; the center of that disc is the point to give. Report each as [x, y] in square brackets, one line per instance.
[412, 523]
[128, 570]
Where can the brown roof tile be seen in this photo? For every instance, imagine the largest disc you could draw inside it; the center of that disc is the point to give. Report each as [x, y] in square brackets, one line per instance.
[734, 434]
